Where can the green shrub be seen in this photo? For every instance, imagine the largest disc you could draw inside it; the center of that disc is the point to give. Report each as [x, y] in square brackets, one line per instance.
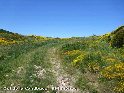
[73, 46]
[118, 37]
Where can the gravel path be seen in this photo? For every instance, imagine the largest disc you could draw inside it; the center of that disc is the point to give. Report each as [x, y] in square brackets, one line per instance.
[64, 81]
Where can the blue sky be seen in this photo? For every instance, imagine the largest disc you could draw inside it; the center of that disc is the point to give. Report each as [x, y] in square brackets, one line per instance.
[61, 18]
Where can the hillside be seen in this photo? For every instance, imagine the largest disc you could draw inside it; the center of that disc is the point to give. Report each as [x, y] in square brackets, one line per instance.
[7, 37]
[37, 64]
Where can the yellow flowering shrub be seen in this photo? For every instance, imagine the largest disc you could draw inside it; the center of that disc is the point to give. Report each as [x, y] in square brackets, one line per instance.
[4, 41]
[105, 36]
[111, 60]
[73, 52]
[93, 67]
[78, 59]
[116, 73]
[119, 87]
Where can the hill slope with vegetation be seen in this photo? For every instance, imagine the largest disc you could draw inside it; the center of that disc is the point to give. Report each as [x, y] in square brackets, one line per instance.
[36, 64]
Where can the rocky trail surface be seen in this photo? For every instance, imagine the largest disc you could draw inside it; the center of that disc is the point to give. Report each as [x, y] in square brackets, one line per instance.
[64, 81]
